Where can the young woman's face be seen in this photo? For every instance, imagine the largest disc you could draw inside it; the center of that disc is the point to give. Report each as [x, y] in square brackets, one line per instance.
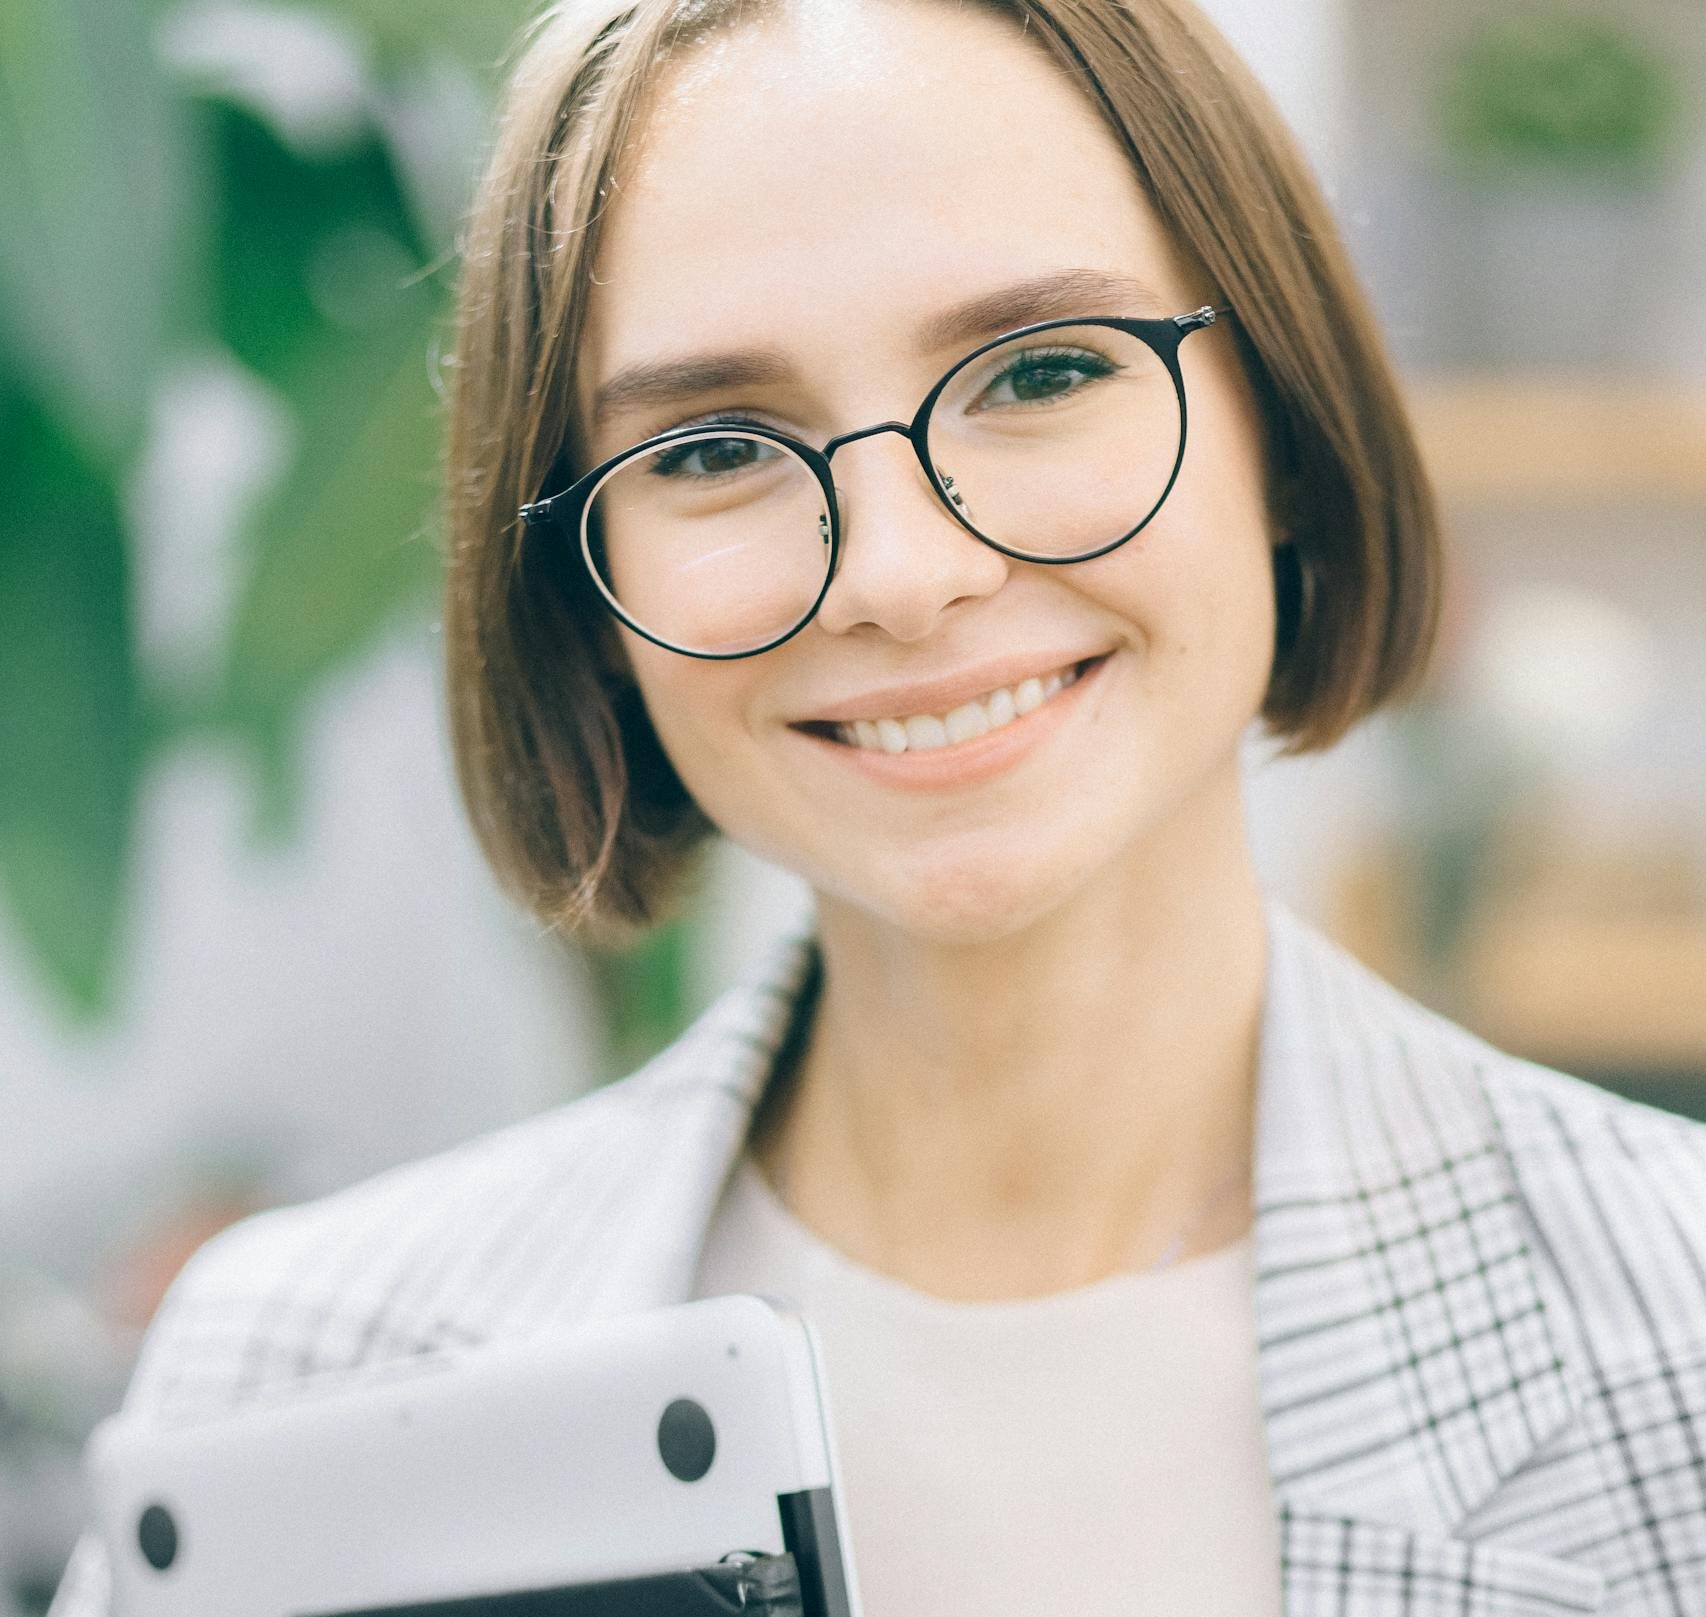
[820, 187]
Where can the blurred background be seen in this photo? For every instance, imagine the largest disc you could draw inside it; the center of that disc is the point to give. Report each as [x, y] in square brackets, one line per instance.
[247, 951]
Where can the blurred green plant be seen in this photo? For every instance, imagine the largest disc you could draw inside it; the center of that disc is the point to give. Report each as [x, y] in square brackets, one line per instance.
[1556, 87]
[278, 187]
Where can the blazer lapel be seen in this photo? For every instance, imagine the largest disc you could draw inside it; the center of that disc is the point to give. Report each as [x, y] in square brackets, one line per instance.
[1406, 1361]
[691, 1108]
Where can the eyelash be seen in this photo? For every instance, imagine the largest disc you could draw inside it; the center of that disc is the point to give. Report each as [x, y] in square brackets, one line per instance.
[667, 460]
[1097, 366]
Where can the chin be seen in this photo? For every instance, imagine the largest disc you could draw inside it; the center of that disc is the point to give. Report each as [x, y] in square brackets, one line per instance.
[965, 902]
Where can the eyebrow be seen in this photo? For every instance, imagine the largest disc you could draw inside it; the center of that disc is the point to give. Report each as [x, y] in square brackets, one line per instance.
[1040, 297]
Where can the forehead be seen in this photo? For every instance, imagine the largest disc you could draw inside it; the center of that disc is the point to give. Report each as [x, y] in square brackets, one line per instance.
[810, 179]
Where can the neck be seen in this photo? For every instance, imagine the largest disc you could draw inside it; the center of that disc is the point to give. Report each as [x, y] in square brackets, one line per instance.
[1025, 1115]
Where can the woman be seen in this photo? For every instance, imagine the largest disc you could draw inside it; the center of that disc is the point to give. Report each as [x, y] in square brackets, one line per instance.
[1165, 1259]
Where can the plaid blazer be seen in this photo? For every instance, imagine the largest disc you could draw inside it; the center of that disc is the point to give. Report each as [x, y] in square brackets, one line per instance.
[1480, 1290]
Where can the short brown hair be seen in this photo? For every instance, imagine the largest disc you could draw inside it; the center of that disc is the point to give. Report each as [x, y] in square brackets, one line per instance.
[569, 789]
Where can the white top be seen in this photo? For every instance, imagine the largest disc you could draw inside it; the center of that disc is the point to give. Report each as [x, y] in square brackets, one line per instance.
[1098, 1450]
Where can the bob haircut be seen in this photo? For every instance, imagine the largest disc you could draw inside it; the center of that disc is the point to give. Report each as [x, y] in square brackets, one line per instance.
[569, 790]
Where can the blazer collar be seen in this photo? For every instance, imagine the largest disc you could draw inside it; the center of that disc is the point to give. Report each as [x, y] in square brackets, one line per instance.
[1408, 1364]
[1406, 1360]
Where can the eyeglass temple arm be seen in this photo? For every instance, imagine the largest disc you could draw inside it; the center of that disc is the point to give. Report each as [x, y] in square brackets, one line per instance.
[537, 513]
[1205, 316]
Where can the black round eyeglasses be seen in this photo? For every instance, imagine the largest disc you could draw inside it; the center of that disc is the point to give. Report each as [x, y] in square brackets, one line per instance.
[720, 539]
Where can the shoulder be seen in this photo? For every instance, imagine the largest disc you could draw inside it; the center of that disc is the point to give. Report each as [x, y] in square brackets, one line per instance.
[1611, 1193]
[1615, 1190]
[339, 1281]
[501, 1234]
[1610, 1190]
[535, 1224]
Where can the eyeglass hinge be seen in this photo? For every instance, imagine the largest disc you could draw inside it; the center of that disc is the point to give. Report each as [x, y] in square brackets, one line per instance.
[536, 514]
[1204, 316]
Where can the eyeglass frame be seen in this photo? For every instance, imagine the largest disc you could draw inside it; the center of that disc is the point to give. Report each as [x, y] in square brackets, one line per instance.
[1163, 336]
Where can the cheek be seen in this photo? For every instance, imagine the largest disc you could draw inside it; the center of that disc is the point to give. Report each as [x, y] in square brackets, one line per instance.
[1198, 579]
[698, 710]
[1196, 588]
[684, 702]
[1220, 540]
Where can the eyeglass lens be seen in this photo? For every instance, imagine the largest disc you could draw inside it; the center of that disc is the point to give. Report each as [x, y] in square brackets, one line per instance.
[1053, 445]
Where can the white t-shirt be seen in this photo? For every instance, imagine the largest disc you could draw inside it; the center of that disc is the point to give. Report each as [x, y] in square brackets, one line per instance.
[1096, 1451]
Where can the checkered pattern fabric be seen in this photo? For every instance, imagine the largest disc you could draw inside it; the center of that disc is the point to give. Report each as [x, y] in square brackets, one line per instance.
[1480, 1290]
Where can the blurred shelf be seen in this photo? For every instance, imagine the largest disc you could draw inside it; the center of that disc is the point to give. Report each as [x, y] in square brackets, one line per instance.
[1587, 956]
[1589, 992]
[1562, 441]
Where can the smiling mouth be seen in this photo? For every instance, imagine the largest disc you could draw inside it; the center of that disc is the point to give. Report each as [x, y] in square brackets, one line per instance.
[927, 732]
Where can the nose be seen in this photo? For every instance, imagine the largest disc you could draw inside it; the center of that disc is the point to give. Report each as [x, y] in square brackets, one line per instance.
[904, 560]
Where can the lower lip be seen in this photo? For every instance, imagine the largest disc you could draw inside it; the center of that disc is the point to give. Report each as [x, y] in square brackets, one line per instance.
[966, 763]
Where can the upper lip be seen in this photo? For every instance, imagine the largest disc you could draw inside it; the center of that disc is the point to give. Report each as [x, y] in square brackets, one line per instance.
[943, 695]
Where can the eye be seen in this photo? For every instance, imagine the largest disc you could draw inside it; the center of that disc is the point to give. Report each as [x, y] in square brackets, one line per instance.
[700, 458]
[1043, 375]
[711, 457]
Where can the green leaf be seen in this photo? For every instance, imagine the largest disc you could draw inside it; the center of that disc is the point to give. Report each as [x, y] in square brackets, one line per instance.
[343, 550]
[320, 291]
[95, 213]
[308, 250]
[70, 724]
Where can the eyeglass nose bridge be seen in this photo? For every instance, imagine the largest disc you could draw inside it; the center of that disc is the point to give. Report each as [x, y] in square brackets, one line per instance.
[902, 427]
[940, 482]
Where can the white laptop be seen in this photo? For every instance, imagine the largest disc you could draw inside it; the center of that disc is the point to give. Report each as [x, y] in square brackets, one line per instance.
[662, 1464]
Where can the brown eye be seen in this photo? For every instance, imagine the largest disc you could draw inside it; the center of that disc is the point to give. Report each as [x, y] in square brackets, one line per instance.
[710, 457]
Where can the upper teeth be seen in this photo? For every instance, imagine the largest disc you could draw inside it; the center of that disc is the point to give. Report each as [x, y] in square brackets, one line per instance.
[974, 718]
